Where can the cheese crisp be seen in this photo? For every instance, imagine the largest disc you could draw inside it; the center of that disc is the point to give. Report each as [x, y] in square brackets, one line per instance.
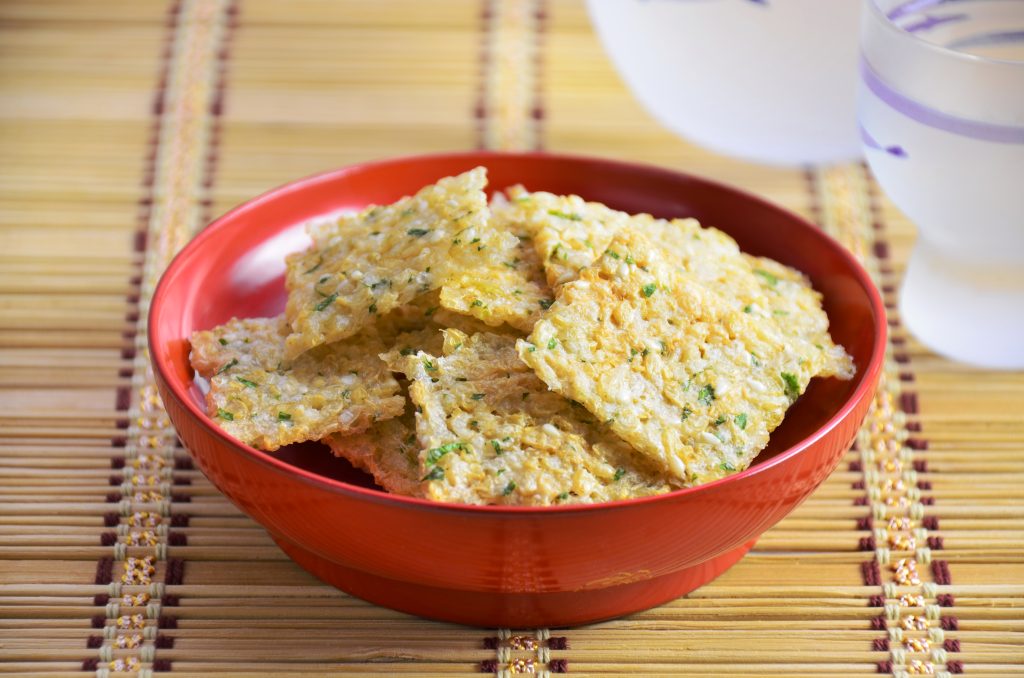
[267, 401]
[492, 433]
[672, 367]
[387, 450]
[513, 291]
[364, 265]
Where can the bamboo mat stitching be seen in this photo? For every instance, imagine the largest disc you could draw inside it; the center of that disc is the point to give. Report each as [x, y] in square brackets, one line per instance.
[890, 464]
[510, 108]
[180, 169]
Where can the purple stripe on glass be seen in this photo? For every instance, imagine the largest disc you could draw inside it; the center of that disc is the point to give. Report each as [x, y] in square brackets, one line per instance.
[988, 39]
[929, 22]
[871, 142]
[913, 6]
[1003, 134]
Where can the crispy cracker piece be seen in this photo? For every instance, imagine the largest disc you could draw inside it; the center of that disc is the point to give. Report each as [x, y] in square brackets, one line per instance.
[388, 451]
[417, 326]
[513, 291]
[788, 297]
[411, 317]
[671, 366]
[569, 233]
[429, 340]
[758, 286]
[364, 265]
[492, 433]
[266, 401]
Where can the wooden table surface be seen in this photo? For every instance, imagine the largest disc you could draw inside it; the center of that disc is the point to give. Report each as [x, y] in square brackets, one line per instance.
[126, 125]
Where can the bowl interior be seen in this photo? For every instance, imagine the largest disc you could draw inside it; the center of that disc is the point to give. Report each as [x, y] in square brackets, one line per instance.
[235, 268]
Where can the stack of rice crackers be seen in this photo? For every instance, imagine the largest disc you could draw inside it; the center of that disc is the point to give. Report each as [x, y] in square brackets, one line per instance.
[536, 349]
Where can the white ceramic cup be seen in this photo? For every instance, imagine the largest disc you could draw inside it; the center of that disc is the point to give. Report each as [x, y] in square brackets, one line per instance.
[772, 81]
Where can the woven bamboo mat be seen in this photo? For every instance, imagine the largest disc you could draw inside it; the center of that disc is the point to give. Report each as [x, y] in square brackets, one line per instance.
[125, 125]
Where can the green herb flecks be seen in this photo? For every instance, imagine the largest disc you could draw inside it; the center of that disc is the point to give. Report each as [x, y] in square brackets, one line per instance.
[477, 396]
[721, 420]
[768, 277]
[749, 308]
[227, 366]
[545, 303]
[791, 384]
[686, 414]
[552, 343]
[509, 488]
[429, 364]
[497, 447]
[418, 232]
[223, 341]
[726, 466]
[706, 395]
[478, 303]
[225, 415]
[612, 253]
[563, 496]
[741, 420]
[649, 289]
[619, 472]
[284, 416]
[436, 473]
[250, 384]
[317, 265]
[565, 215]
[325, 302]
[434, 454]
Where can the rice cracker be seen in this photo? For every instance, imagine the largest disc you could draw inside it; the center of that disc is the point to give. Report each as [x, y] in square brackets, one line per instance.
[492, 433]
[265, 400]
[513, 291]
[571, 233]
[388, 451]
[363, 266]
[670, 365]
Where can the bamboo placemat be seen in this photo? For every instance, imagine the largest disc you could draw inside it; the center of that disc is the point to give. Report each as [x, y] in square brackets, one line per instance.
[126, 125]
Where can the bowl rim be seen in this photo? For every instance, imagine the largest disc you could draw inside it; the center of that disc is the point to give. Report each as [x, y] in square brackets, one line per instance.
[868, 374]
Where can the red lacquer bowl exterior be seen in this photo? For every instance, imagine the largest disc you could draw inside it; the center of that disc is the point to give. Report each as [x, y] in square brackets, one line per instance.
[507, 566]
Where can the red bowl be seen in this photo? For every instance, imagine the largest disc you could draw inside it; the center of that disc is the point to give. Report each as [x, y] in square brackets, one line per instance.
[498, 565]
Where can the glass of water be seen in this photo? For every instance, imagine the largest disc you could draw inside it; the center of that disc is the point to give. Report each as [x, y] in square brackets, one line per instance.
[772, 81]
[941, 112]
